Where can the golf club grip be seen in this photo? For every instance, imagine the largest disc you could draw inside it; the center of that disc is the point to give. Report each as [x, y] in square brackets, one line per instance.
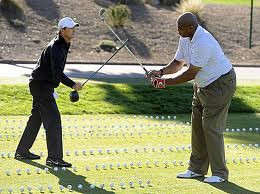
[146, 72]
[123, 44]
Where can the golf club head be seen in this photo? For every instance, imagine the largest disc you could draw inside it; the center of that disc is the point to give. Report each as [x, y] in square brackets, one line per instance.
[74, 96]
[101, 12]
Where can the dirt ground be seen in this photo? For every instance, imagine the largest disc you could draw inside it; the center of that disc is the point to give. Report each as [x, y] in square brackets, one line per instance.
[152, 31]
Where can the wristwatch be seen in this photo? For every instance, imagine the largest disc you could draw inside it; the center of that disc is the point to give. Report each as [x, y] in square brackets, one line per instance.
[161, 72]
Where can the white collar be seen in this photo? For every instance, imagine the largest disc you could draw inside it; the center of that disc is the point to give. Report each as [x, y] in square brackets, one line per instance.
[196, 34]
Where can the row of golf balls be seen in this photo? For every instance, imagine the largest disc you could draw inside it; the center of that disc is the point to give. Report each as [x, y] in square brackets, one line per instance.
[93, 135]
[80, 187]
[126, 165]
[136, 150]
[90, 134]
[104, 127]
[124, 131]
[119, 117]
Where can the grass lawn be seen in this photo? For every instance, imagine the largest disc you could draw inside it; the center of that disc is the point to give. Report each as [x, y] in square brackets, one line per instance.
[233, 2]
[124, 98]
[139, 135]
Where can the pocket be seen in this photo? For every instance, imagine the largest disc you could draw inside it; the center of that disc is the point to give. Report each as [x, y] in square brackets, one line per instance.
[220, 87]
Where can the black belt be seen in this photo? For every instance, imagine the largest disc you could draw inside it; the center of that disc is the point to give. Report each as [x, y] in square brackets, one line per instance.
[227, 73]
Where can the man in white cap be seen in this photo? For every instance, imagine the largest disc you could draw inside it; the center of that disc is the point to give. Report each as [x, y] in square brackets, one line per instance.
[46, 76]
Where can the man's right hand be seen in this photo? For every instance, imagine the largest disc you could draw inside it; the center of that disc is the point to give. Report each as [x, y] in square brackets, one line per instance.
[154, 73]
[78, 86]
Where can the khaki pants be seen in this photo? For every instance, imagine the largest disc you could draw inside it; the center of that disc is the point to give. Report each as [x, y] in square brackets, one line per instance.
[209, 114]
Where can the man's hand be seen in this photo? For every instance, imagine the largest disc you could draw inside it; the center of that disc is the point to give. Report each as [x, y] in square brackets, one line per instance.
[78, 86]
[158, 82]
[154, 73]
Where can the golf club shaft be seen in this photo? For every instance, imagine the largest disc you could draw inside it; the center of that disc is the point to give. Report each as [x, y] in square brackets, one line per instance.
[101, 12]
[123, 44]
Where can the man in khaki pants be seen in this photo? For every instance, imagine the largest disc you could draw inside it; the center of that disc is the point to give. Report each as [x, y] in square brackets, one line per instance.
[214, 86]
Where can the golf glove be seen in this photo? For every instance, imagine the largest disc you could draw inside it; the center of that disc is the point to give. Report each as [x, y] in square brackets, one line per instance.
[158, 82]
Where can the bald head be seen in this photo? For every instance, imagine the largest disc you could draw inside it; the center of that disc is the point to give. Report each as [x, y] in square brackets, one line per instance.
[187, 24]
[187, 19]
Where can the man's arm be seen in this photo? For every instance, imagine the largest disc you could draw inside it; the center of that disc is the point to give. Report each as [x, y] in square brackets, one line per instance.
[186, 76]
[173, 67]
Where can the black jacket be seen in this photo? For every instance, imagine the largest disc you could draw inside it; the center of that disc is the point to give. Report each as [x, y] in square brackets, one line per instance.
[51, 64]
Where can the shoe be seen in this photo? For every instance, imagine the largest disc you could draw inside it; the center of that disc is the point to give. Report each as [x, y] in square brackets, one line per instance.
[57, 163]
[189, 174]
[214, 179]
[27, 156]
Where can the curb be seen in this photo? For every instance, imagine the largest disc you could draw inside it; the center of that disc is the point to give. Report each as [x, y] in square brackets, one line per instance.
[113, 63]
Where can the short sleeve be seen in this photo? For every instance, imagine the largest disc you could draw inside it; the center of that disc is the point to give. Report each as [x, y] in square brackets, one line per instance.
[200, 55]
[179, 55]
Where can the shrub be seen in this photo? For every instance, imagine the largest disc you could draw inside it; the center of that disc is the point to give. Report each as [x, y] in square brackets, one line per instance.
[12, 7]
[107, 45]
[194, 6]
[169, 2]
[118, 15]
[13, 12]
[128, 2]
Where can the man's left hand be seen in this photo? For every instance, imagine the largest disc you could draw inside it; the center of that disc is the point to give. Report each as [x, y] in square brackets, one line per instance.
[158, 82]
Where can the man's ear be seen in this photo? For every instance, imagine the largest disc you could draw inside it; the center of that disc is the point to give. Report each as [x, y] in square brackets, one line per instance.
[62, 31]
[191, 28]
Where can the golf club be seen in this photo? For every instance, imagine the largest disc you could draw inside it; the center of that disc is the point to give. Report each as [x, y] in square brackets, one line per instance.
[101, 12]
[74, 95]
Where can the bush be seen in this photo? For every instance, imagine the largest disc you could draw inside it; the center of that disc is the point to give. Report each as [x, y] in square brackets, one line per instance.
[169, 2]
[13, 12]
[193, 6]
[128, 2]
[107, 45]
[118, 15]
[12, 7]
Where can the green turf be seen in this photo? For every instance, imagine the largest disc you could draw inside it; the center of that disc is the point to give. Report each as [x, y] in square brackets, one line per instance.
[233, 2]
[95, 132]
[106, 98]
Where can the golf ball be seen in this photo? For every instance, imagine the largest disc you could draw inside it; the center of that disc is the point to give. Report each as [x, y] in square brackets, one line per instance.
[28, 171]
[46, 170]
[22, 189]
[61, 187]
[50, 188]
[122, 185]
[38, 171]
[40, 188]
[18, 171]
[10, 190]
[7, 173]
[69, 187]
[131, 184]
[112, 185]
[79, 186]
[29, 189]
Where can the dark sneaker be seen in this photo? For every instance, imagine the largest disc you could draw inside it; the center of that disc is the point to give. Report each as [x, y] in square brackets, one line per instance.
[57, 163]
[27, 156]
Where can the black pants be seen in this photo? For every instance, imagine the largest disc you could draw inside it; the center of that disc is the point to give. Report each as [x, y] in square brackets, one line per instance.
[44, 110]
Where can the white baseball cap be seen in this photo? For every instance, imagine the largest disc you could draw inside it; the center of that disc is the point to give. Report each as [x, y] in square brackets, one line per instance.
[67, 22]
